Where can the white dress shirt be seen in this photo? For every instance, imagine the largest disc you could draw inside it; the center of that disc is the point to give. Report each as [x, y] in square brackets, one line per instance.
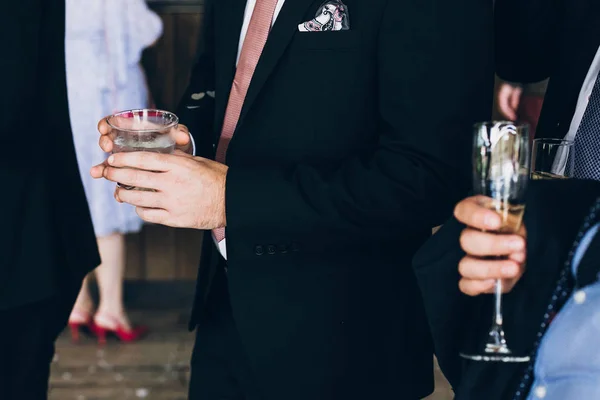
[584, 97]
[582, 103]
[250, 4]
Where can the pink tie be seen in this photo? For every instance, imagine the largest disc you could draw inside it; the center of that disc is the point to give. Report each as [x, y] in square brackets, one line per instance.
[256, 37]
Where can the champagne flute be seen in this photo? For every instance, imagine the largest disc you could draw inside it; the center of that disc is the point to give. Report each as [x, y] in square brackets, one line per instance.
[501, 174]
[552, 159]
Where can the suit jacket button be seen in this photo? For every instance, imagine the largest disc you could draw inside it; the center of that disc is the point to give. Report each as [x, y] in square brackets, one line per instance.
[271, 249]
[259, 250]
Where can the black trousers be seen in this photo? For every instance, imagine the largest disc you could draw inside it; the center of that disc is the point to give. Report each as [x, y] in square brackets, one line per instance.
[220, 370]
[27, 336]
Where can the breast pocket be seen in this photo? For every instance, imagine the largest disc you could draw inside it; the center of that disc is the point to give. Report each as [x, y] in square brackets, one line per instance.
[327, 40]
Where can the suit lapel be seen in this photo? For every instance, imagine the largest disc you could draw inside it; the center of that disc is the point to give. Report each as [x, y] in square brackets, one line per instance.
[229, 18]
[280, 36]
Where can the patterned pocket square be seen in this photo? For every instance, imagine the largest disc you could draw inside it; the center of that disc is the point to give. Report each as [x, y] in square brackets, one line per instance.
[332, 16]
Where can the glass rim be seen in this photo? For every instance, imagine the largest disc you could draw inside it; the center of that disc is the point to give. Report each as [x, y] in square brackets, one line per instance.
[171, 125]
[553, 141]
[518, 125]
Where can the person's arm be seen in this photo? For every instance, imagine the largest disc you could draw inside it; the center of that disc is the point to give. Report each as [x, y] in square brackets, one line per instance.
[435, 81]
[526, 34]
[554, 213]
[19, 70]
[196, 108]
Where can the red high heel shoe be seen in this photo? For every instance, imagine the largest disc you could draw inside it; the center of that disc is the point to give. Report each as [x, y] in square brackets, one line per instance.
[79, 321]
[105, 326]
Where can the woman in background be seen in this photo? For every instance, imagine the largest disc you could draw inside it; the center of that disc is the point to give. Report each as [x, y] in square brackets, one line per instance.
[104, 43]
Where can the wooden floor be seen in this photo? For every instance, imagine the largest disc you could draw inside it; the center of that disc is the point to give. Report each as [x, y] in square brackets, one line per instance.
[156, 368]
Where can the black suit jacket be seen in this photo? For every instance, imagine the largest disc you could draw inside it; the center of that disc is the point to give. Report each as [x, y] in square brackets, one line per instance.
[540, 39]
[46, 236]
[351, 146]
[554, 215]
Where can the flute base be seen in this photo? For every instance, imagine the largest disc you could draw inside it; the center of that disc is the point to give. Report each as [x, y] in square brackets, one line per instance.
[500, 356]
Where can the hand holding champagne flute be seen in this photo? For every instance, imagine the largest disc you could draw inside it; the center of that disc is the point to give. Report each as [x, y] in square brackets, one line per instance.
[500, 176]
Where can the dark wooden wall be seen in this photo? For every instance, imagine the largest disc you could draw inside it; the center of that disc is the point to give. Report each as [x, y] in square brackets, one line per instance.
[160, 253]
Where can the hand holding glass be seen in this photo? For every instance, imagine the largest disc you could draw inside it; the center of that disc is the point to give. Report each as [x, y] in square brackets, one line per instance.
[143, 130]
[501, 173]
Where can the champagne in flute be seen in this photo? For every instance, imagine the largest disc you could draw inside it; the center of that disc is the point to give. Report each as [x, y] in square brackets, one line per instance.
[510, 214]
[552, 159]
[501, 174]
[540, 175]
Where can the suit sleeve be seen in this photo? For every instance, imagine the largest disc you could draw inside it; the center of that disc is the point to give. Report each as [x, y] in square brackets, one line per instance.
[19, 69]
[458, 322]
[435, 80]
[448, 310]
[196, 108]
[526, 34]
[22, 105]
[553, 218]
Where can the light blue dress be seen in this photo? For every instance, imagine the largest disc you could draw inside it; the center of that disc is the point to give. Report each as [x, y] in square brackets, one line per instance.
[104, 43]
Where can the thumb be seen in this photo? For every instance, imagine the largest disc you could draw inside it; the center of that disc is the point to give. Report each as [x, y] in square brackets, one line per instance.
[97, 171]
[182, 135]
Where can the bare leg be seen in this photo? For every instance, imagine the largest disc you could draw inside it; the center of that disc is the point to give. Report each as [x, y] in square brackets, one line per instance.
[110, 282]
[84, 305]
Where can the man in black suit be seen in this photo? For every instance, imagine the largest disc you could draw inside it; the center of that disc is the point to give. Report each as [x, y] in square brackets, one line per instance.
[46, 237]
[350, 142]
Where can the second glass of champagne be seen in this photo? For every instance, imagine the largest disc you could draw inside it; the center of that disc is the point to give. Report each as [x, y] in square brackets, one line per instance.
[500, 175]
[143, 130]
[552, 159]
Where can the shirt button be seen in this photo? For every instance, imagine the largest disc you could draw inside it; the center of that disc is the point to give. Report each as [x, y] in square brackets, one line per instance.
[540, 392]
[579, 297]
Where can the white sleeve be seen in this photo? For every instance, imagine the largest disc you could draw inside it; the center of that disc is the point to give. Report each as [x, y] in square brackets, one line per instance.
[193, 143]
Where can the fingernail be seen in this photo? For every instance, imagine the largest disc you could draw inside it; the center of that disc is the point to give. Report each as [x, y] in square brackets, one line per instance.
[111, 159]
[509, 270]
[516, 244]
[519, 257]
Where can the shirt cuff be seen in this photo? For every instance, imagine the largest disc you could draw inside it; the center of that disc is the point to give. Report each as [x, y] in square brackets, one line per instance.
[193, 143]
